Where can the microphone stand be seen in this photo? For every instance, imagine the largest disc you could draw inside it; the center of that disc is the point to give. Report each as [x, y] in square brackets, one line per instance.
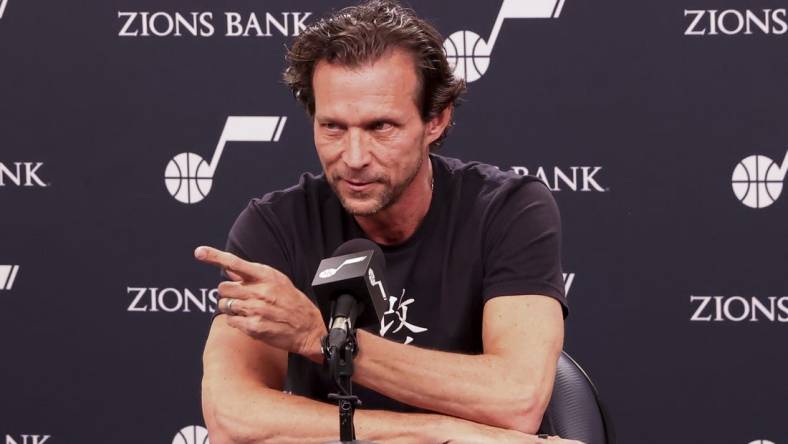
[340, 366]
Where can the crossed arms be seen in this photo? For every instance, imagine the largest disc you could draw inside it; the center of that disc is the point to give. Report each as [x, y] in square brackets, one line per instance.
[498, 396]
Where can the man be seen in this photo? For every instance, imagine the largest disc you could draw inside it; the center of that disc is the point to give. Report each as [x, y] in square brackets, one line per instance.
[470, 344]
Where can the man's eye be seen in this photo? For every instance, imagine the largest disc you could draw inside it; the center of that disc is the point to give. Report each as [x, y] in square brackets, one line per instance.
[331, 126]
[381, 126]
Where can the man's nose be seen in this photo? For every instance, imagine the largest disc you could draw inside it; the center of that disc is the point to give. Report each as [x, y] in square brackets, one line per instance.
[356, 154]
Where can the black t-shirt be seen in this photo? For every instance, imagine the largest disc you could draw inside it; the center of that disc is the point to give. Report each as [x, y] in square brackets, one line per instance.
[487, 233]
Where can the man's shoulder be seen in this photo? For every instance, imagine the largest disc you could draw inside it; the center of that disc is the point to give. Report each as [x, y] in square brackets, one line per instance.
[274, 227]
[485, 182]
[311, 189]
[289, 212]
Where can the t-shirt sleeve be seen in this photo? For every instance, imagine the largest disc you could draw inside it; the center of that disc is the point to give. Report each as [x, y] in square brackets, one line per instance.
[522, 251]
[256, 236]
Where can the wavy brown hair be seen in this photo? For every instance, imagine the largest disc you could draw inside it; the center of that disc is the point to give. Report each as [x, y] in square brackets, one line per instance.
[361, 34]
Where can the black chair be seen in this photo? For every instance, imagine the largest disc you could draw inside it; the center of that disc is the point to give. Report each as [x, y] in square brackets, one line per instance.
[575, 410]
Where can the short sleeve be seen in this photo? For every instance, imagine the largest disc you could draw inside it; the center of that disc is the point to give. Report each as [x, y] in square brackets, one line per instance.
[522, 248]
[257, 237]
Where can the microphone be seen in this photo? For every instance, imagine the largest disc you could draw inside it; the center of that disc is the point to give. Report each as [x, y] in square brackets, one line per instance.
[349, 281]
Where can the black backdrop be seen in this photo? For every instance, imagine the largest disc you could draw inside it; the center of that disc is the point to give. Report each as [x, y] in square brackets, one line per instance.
[678, 285]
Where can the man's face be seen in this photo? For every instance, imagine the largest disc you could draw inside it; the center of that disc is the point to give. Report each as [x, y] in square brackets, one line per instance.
[368, 131]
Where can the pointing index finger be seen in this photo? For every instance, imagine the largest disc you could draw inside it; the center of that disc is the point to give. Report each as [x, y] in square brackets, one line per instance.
[230, 262]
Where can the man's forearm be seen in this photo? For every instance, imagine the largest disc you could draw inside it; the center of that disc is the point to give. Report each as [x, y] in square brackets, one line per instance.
[250, 413]
[480, 388]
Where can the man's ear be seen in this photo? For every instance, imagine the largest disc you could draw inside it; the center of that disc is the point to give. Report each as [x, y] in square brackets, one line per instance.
[438, 124]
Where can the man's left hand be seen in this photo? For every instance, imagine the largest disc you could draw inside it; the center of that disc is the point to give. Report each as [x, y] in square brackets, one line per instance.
[263, 303]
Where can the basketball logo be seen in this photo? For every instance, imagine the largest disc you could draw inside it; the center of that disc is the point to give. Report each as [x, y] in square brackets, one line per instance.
[469, 55]
[189, 178]
[191, 435]
[758, 181]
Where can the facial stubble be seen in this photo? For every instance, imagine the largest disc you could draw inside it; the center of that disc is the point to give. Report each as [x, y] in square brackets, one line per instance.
[386, 198]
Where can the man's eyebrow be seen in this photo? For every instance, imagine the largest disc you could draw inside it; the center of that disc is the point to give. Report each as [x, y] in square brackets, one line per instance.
[388, 120]
[332, 119]
[364, 123]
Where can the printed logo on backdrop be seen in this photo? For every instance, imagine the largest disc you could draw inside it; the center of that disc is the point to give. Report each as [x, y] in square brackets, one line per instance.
[22, 174]
[569, 279]
[3, 4]
[189, 178]
[171, 300]
[761, 441]
[576, 178]
[206, 24]
[739, 309]
[469, 55]
[26, 439]
[758, 180]
[705, 22]
[8, 276]
[191, 435]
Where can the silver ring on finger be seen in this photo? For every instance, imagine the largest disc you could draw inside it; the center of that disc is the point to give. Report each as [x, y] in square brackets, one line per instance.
[229, 307]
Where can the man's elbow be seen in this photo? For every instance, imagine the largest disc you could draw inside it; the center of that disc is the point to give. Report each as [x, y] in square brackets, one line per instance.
[523, 410]
[221, 429]
[218, 436]
[224, 419]
[224, 430]
[219, 425]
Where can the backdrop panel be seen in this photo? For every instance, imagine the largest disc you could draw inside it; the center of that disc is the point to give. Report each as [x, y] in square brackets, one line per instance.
[661, 127]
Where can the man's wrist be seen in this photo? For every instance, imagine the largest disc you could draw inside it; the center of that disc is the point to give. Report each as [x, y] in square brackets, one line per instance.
[441, 428]
[429, 427]
[314, 352]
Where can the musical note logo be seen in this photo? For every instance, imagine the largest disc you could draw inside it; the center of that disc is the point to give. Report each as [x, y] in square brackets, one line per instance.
[328, 272]
[758, 180]
[7, 276]
[189, 178]
[469, 55]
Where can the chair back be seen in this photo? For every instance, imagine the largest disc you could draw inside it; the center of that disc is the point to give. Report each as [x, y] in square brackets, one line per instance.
[575, 410]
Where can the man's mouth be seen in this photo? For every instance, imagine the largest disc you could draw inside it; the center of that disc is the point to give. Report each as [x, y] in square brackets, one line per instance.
[357, 185]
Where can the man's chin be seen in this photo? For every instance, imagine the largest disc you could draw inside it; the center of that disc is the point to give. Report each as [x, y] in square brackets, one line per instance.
[362, 205]
[366, 203]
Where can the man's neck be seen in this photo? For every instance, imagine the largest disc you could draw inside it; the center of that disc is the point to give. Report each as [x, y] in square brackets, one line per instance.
[399, 222]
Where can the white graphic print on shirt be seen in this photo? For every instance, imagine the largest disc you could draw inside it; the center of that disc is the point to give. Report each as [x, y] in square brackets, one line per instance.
[401, 311]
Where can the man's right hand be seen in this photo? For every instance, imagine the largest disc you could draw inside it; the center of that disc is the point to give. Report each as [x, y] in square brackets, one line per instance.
[266, 305]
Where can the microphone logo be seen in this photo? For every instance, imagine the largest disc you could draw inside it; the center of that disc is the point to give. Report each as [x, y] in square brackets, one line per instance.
[189, 178]
[328, 272]
[469, 55]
